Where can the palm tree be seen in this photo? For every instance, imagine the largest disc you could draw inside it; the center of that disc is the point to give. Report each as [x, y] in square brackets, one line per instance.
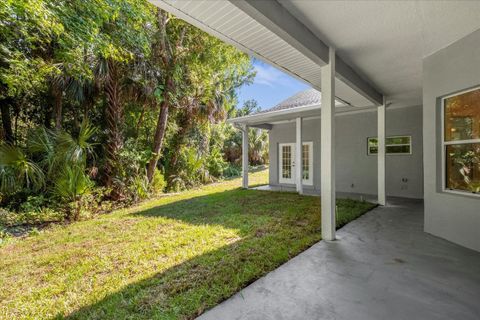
[17, 171]
[258, 146]
[108, 71]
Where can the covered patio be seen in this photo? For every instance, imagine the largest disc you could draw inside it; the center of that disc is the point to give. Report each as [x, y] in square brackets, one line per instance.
[376, 56]
[383, 267]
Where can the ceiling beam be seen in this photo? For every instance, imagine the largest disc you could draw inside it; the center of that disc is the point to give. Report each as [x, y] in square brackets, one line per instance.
[280, 21]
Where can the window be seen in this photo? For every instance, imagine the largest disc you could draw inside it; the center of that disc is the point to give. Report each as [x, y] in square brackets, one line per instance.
[393, 145]
[461, 142]
[287, 161]
[306, 162]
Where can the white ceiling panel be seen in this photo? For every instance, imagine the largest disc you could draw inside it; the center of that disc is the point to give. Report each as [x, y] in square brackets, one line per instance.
[385, 41]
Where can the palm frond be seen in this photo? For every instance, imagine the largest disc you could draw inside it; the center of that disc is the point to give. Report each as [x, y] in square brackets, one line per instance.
[17, 171]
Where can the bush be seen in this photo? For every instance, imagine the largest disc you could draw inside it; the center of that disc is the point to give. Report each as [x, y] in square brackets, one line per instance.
[232, 171]
[35, 210]
[139, 188]
[158, 183]
[215, 163]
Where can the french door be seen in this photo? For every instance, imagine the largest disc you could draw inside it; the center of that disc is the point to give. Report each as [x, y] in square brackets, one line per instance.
[287, 163]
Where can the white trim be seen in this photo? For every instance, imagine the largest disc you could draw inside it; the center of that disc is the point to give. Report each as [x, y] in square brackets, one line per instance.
[444, 145]
[338, 113]
[461, 142]
[298, 155]
[264, 116]
[309, 181]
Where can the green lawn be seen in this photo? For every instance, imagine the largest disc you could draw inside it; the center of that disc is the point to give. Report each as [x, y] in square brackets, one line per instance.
[169, 258]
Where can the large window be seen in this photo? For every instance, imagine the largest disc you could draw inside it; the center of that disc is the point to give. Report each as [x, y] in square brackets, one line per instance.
[393, 145]
[461, 141]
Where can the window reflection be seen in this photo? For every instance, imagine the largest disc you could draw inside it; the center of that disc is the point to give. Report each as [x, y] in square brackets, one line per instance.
[463, 167]
[462, 141]
[462, 116]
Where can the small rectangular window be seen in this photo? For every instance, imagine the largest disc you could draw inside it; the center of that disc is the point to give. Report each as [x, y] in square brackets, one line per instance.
[393, 145]
[461, 141]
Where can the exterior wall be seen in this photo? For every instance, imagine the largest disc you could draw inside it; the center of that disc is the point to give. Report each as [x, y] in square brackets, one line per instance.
[452, 69]
[356, 172]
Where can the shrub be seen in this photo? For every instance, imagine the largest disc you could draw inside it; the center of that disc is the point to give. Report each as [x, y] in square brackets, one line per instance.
[158, 183]
[72, 184]
[232, 171]
[139, 188]
[215, 163]
[30, 215]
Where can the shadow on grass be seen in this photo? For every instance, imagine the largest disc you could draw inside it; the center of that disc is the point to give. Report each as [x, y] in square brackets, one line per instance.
[273, 228]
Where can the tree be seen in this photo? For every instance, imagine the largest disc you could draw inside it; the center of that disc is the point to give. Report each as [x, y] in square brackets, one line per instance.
[258, 139]
[150, 82]
[27, 28]
[200, 77]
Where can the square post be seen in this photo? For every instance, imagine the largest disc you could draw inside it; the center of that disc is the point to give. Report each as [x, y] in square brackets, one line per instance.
[328, 148]
[298, 156]
[381, 154]
[245, 157]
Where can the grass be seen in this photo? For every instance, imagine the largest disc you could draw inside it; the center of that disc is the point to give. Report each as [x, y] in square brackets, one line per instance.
[169, 258]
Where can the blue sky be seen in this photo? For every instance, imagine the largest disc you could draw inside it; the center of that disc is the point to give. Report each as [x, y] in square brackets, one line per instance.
[270, 86]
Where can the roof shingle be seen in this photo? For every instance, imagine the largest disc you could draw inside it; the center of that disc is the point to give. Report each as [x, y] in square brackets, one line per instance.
[303, 98]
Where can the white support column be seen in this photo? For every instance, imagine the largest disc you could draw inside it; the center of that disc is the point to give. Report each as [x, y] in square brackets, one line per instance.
[298, 156]
[381, 153]
[245, 157]
[328, 148]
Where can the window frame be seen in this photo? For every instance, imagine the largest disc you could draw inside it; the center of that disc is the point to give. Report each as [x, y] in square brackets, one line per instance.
[444, 145]
[309, 181]
[387, 145]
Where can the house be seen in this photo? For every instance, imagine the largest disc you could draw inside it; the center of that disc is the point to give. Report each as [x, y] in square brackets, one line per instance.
[395, 77]
[356, 147]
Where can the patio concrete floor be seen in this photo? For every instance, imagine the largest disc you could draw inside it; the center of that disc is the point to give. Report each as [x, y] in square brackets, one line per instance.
[383, 266]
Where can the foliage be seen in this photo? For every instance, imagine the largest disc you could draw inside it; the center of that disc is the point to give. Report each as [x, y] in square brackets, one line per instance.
[70, 186]
[215, 163]
[170, 258]
[107, 102]
[17, 171]
[232, 170]
[257, 138]
[158, 183]
[53, 161]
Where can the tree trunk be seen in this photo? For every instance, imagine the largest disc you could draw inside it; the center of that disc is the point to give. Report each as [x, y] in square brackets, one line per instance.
[57, 107]
[114, 117]
[7, 120]
[184, 124]
[158, 139]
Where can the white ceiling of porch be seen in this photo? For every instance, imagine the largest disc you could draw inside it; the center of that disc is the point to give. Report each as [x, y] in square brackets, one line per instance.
[225, 21]
[384, 41]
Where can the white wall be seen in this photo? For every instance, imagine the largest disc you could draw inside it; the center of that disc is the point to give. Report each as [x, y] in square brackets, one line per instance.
[353, 165]
[452, 69]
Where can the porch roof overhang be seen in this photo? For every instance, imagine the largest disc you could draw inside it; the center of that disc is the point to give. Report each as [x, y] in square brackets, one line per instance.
[266, 30]
[379, 45]
[266, 120]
